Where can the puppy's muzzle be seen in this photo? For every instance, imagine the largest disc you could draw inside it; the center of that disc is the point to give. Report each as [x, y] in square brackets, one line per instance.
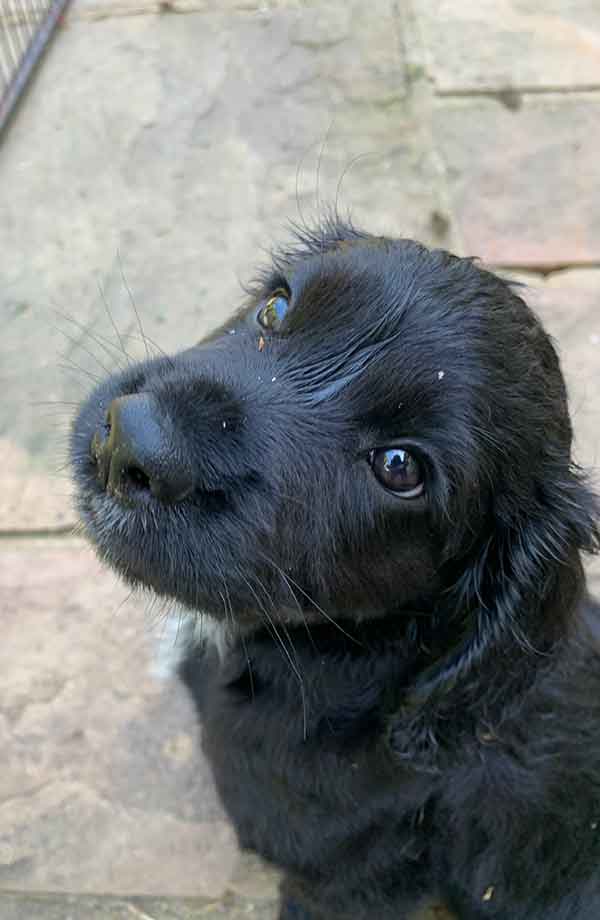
[136, 455]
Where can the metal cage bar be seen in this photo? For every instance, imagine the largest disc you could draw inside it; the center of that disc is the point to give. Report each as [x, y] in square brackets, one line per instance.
[25, 30]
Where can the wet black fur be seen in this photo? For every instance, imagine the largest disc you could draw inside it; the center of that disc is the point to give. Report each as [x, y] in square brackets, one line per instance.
[409, 702]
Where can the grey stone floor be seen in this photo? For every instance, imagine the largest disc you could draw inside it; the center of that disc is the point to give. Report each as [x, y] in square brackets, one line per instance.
[160, 152]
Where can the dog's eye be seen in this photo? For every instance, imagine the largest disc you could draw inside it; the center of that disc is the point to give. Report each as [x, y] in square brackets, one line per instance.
[271, 315]
[398, 471]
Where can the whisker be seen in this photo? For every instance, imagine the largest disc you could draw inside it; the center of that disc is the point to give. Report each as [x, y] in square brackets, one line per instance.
[229, 613]
[345, 171]
[147, 338]
[133, 304]
[296, 601]
[319, 161]
[104, 343]
[317, 607]
[71, 366]
[77, 344]
[284, 649]
[113, 323]
[54, 402]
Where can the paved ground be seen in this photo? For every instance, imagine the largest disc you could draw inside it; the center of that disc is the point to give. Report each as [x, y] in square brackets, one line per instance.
[163, 146]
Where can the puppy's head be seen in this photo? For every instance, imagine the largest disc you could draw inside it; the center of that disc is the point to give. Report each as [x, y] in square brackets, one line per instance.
[382, 430]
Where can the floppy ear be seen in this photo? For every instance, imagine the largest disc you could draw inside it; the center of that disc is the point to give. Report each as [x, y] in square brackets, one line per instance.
[513, 601]
[525, 582]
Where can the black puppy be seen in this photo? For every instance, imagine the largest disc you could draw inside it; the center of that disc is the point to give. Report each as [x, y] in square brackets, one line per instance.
[364, 483]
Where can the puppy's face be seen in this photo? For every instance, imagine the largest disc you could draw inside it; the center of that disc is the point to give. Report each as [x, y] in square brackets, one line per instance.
[336, 449]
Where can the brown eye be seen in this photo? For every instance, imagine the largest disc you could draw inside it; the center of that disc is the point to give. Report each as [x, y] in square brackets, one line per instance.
[398, 471]
[272, 314]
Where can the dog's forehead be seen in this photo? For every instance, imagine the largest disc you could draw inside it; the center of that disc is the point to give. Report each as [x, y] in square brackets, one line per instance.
[363, 317]
[347, 256]
[374, 290]
[350, 282]
[398, 330]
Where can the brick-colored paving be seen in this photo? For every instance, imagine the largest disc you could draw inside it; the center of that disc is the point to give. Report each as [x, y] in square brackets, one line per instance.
[168, 151]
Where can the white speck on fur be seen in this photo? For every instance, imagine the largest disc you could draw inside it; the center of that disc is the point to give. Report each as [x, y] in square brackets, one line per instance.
[441, 375]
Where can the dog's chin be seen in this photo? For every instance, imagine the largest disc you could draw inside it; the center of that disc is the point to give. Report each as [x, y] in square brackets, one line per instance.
[146, 548]
[135, 543]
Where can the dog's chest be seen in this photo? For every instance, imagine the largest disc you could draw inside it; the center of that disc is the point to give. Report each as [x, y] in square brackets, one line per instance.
[301, 757]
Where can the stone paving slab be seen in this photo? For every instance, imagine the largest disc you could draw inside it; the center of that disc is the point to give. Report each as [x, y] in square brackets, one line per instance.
[499, 45]
[568, 303]
[31, 498]
[80, 907]
[103, 787]
[165, 154]
[524, 184]
[101, 9]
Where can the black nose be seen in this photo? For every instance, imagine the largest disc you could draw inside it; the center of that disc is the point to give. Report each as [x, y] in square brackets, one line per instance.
[136, 454]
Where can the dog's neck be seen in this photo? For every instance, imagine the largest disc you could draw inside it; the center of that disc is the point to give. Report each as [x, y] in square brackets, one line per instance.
[419, 630]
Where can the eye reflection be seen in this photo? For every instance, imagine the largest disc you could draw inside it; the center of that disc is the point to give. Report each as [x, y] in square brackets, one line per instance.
[398, 470]
[272, 314]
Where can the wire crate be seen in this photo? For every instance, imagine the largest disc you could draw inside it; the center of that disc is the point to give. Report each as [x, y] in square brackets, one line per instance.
[26, 27]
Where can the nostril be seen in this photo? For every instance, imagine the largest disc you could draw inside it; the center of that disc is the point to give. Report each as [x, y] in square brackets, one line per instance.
[99, 457]
[135, 477]
[96, 447]
[137, 454]
[98, 444]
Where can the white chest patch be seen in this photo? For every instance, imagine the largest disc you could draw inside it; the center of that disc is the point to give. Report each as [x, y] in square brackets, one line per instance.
[182, 630]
